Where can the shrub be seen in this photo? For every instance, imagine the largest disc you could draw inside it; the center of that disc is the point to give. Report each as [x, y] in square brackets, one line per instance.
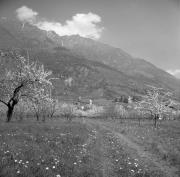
[67, 111]
[176, 115]
[115, 111]
[120, 111]
[109, 111]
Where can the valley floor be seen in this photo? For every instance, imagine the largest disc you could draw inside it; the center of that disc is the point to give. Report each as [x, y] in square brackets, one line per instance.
[89, 148]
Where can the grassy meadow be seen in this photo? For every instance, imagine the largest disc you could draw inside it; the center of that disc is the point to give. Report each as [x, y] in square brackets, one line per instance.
[89, 148]
[45, 149]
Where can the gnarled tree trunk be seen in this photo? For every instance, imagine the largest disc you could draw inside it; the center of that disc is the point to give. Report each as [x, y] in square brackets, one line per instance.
[9, 113]
[10, 110]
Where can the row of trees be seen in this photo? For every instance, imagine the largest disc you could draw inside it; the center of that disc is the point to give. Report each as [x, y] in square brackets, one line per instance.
[155, 104]
[30, 84]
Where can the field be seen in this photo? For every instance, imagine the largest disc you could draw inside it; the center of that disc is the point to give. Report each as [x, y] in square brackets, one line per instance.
[90, 148]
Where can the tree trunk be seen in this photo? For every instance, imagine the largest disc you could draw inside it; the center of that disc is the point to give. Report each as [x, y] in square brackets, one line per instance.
[9, 113]
[37, 116]
[139, 119]
[155, 120]
[10, 110]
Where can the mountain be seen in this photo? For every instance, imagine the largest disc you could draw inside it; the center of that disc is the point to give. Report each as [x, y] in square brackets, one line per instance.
[116, 58]
[97, 70]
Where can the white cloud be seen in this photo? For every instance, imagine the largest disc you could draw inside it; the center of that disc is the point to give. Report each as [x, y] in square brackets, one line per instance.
[85, 25]
[175, 72]
[26, 14]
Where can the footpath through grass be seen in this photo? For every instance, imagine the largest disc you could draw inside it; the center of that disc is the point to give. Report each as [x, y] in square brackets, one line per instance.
[160, 145]
[92, 148]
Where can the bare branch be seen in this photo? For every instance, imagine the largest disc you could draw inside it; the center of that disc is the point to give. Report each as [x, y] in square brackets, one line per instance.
[3, 102]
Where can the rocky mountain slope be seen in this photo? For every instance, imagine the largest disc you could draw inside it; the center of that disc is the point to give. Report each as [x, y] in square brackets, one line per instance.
[96, 69]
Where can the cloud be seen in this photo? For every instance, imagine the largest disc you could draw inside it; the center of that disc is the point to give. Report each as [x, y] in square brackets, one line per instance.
[175, 72]
[85, 25]
[26, 14]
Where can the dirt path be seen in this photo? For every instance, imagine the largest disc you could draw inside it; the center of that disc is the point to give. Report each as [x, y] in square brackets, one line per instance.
[142, 154]
[105, 164]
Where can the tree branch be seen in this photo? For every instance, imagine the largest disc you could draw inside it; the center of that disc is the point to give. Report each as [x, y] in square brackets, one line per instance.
[3, 102]
[17, 89]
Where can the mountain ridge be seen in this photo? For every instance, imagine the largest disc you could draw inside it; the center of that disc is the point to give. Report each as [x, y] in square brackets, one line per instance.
[96, 68]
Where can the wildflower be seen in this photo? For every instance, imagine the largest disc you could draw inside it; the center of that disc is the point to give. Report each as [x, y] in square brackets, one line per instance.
[58, 175]
[139, 170]
[18, 171]
[135, 164]
[54, 167]
[75, 163]
[47, 168]
[132, 171]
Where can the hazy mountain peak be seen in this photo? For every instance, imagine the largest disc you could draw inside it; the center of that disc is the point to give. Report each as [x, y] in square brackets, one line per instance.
[117, 71]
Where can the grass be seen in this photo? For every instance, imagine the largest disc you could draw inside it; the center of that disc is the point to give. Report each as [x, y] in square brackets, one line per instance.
[163, 142]
[59, 148]
[126, 164]
[49, 149]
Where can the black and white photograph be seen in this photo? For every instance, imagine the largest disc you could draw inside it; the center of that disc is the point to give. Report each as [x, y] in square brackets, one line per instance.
[89, 88]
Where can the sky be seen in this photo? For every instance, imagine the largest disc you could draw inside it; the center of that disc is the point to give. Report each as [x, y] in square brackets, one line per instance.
[148, 29]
